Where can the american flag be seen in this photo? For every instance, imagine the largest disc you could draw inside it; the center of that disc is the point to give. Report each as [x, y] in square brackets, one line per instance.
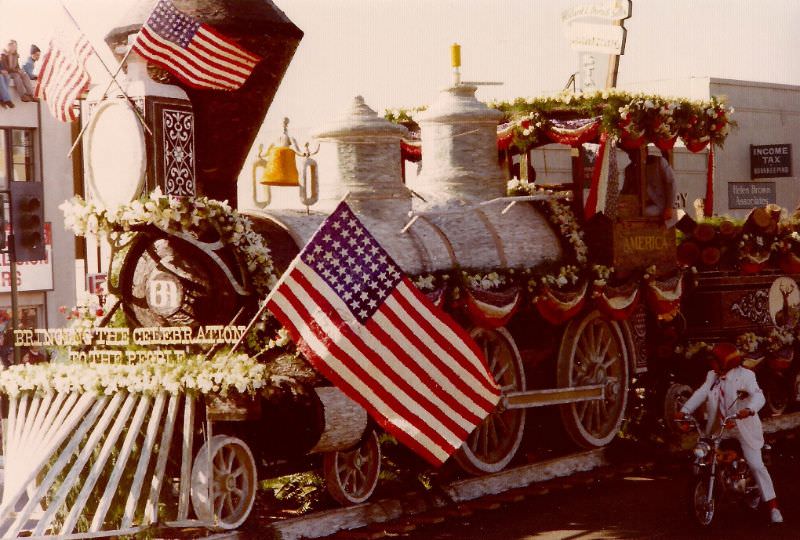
[63, 76]
[194, 52]
[364, 325]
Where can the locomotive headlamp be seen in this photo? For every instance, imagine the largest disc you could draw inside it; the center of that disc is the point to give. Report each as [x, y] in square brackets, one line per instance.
[701, 449]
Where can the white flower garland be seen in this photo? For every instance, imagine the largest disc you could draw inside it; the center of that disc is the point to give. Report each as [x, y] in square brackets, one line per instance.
[225, 373]
[87, 218]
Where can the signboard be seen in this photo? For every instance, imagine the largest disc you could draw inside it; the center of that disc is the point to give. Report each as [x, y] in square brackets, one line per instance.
[33, 275]
[746, 195]
[110, 344]
[96, 283]
[615, 10]
[600, 38]
[770, 160]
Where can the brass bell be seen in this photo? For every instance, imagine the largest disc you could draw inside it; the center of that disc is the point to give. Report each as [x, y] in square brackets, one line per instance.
[280, 166]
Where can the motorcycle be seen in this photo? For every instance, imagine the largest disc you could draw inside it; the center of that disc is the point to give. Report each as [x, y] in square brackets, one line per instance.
[721, 472]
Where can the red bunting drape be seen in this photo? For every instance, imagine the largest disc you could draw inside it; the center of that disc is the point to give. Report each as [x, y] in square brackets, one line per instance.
[708, 204]
[591, 202]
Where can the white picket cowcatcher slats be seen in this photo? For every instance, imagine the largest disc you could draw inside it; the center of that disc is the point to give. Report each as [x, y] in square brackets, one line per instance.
[89, 466]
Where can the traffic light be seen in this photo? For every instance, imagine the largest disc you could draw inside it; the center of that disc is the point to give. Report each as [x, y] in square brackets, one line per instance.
[27, 223]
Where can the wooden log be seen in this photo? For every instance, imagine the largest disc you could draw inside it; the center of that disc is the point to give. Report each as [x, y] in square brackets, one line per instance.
[710, 256]
[344, 420]
[704, 233]
[688, 253]
[727, 229]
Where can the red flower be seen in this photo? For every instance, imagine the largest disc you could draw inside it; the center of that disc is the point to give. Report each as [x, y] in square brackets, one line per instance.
[99, 312]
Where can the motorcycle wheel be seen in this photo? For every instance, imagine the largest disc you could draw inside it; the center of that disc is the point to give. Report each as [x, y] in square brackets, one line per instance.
[703, 511]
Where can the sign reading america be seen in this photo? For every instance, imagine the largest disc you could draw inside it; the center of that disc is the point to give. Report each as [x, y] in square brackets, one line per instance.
[367, 328]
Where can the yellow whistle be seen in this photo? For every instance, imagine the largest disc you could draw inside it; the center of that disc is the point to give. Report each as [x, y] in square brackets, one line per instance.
[455, 55]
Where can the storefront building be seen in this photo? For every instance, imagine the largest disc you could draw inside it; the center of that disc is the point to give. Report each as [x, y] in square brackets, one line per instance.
[34, 148]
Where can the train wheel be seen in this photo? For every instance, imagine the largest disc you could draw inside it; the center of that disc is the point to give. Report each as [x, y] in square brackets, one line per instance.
[492, 445]
[593, 351]
[351, 476]
[234, 482]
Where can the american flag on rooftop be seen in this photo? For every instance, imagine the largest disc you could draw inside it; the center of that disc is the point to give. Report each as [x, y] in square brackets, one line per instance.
[364, 325]
[197, 54]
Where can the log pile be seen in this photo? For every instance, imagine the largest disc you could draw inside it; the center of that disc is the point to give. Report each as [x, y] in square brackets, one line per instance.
[762, 240]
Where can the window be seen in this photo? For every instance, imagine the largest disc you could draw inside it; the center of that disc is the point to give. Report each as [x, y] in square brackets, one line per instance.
[16, 156]
[22, 155]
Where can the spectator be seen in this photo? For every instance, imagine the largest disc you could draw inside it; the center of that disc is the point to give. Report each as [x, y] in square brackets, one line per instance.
[9, 66]
[5, 95]
[659, 184]
[27, 67]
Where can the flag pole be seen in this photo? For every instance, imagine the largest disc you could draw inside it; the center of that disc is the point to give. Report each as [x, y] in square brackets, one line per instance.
[112, 81]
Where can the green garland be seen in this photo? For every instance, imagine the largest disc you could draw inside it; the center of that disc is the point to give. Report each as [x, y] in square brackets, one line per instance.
[620, 111]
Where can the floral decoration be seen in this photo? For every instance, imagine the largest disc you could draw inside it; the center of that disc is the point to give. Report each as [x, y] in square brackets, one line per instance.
[484, 281]
[223, 374]
[629, 116]
[199, 216]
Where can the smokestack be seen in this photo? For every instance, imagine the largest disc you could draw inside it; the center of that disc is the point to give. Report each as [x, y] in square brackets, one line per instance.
[226, 123]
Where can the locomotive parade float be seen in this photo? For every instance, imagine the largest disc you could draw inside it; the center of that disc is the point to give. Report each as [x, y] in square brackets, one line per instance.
[172, 403]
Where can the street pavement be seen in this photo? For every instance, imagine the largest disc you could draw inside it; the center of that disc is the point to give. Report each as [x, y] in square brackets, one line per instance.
[645, 505]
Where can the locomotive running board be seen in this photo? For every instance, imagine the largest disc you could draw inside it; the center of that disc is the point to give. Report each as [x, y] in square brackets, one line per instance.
[553, 396]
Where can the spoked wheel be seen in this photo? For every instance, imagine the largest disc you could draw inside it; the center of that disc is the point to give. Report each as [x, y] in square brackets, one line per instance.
[704, 510]
[594, 351]
[234, 482]
[351, 475]
[492, 445]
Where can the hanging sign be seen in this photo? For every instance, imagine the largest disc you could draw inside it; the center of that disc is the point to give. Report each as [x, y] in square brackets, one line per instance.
[770, 160]
[615, 10]
[600, 38]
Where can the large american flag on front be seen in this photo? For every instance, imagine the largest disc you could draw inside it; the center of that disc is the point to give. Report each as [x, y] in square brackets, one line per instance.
[364, 325]
[195, 53]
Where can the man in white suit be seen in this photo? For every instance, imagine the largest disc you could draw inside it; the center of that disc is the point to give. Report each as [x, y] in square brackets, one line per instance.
[721, 393]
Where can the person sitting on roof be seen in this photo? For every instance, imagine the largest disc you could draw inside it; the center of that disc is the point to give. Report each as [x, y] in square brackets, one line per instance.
[5, 93]
[27, 67]
[9, 65]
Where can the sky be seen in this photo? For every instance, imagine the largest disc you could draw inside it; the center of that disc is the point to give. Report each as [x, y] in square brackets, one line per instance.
[396, 52]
